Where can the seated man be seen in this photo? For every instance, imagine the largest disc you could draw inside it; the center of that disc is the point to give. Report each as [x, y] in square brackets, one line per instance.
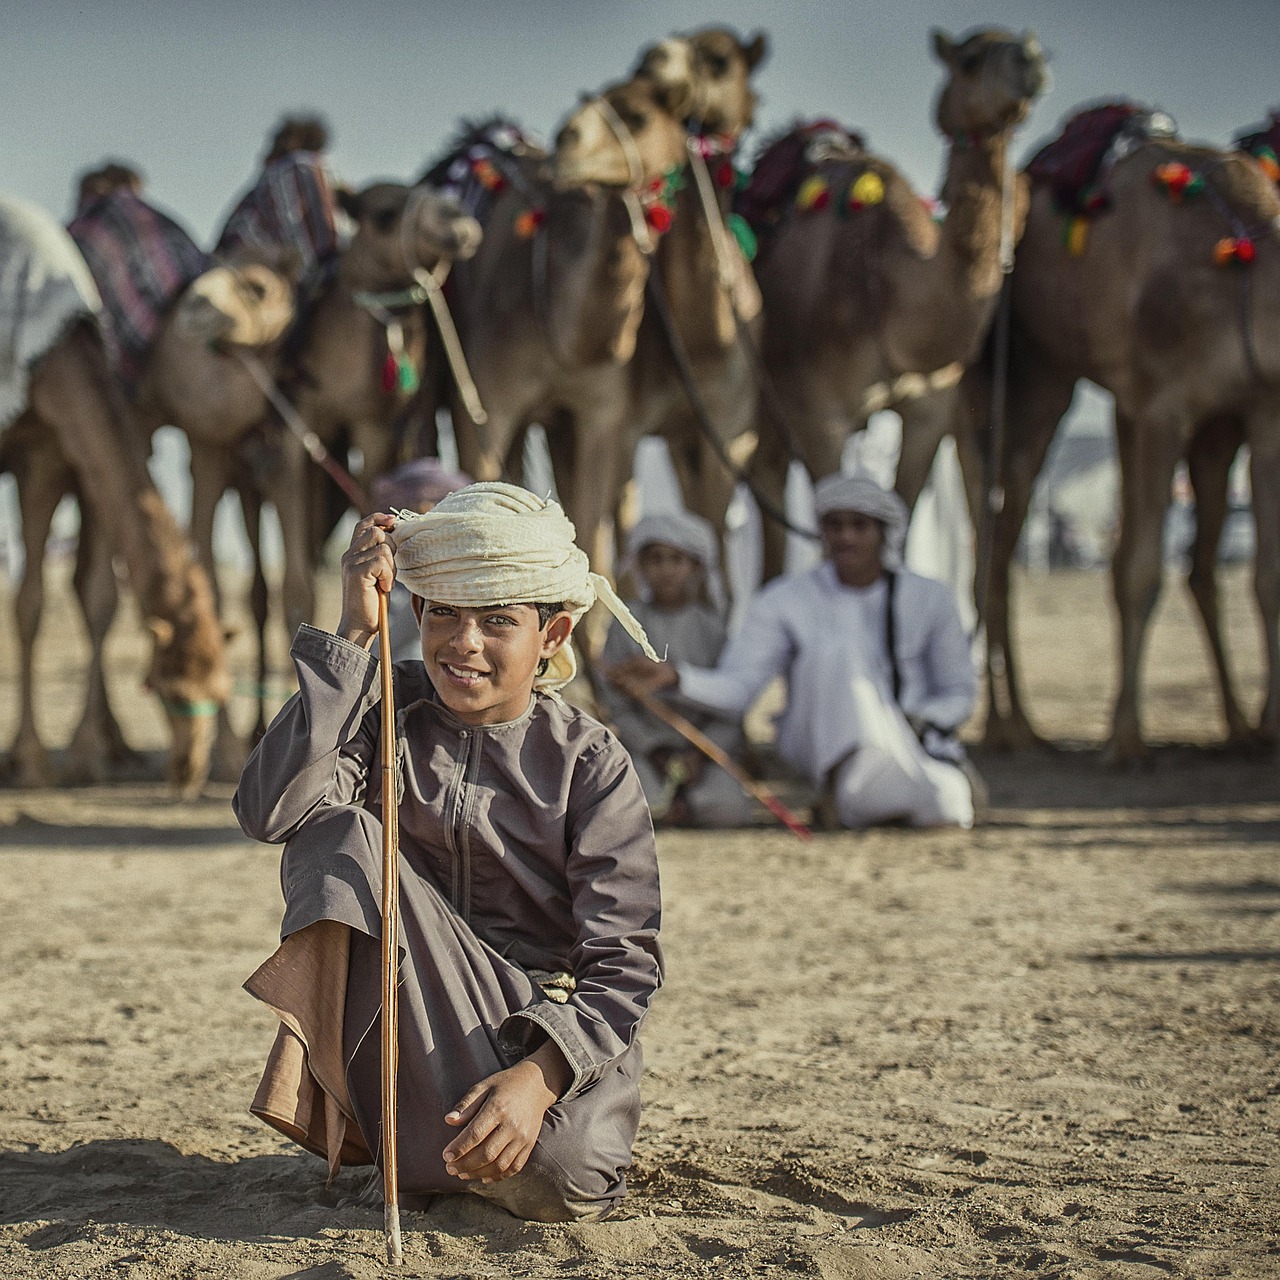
[529, 878]
[878, 671]
[673, 555]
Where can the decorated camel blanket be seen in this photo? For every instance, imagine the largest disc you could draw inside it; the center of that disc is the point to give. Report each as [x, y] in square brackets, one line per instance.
[291, 205]
[1076, 164]
[787, 173]
[141, 261]
[481, 162]
[1262, 142]
[45, 287]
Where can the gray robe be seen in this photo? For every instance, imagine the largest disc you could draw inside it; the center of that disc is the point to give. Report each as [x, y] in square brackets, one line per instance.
[524, 846]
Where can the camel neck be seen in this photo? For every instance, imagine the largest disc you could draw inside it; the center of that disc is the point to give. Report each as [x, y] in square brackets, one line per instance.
[972, 191]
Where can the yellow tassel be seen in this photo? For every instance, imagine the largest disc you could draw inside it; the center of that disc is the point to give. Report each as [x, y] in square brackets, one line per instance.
[813, 194]
[1077, 236]
[867, 190]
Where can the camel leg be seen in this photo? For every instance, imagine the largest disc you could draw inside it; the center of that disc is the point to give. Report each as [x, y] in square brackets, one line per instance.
[1264, 476]
[290, 491]
[43, 478]
[1209, 465]
[924, 424]
[1149, 452]
[259, 597]
[210, 475]
[98, 740]
[1037, 401]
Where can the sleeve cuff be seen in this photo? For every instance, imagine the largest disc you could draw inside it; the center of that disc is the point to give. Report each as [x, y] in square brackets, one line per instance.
[517, 1031]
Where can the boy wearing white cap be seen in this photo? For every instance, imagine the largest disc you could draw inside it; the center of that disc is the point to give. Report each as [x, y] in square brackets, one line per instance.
[674, 556]
[529, 880]
[878, 670]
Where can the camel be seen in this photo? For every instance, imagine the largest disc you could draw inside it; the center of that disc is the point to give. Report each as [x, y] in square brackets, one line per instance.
[72, 431]
[1188, 347]
[549, 308]
[869, 303]
[335, 375]
[703, 82]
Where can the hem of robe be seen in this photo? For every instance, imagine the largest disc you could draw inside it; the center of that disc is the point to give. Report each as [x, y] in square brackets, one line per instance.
[303, 1091]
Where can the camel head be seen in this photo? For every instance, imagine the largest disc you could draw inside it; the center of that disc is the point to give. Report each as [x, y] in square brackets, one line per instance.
[402, 229]
[245, 301]
[625, 137]
[705, 78]
[994, 77]
[189, 674]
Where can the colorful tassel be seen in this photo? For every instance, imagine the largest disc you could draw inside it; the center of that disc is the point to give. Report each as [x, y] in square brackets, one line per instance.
[814, 194]
[528, 223]
[1235, 249]
[487, 175]
[867, 190]
[741, 231]
[390, 373]
[1076, 235]
[1269, 161]
[1178, 179]
[406, 375]
[659, 217]
[726, 175]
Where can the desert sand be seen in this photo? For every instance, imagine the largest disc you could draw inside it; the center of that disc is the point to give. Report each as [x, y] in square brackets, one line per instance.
[1049, 1047]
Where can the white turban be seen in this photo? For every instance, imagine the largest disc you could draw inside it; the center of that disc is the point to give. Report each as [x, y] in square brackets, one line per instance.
[491, 544]
[686, 532]
[861, 493]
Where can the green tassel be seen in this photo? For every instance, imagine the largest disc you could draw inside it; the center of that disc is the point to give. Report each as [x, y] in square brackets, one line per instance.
[743, 234]
[406, 375]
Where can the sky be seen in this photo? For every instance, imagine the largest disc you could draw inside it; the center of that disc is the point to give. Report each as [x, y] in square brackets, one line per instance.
[189, 91]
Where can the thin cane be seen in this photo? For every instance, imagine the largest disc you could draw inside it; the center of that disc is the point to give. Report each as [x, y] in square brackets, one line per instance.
[390, 943]
[695, 737]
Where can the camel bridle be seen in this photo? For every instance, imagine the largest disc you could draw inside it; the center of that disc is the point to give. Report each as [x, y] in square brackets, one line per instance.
[635, 173]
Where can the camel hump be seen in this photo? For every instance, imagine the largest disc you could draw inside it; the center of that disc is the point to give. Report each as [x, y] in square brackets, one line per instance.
[483, 158]
[141, 260]
[1076, 164]
[785, 162]
[291, 207]
[45, 288]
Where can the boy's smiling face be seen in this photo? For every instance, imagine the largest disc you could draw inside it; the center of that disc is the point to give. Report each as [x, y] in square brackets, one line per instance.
[483, 662]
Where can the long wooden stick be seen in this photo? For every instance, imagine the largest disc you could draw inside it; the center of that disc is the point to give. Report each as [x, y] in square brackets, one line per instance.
[390, 943]
[695, 737]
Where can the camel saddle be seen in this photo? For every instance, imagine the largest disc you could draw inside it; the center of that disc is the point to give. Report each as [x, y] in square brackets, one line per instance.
[1075, 165]
[785, 162]
[291, 206]
[141, 260]
[480, 162]
[1263, 143]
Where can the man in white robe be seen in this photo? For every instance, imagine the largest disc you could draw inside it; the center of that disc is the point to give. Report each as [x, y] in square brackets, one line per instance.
[877, 664]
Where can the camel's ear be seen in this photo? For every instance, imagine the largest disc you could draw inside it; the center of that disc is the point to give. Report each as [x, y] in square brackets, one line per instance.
[161, 631]
[943, 45]
[348, 201]
[757, 51]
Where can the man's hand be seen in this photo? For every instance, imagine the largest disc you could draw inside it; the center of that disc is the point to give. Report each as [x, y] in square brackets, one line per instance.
[368, 568]
[639, 676]
[503, 1116]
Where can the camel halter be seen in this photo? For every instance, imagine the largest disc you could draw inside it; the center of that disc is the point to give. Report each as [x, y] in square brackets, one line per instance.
[431, 284]
[635, 168]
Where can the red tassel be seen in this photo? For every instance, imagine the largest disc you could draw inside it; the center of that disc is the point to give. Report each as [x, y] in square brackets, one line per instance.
[658, 216]
[725, 175]
[390, 373]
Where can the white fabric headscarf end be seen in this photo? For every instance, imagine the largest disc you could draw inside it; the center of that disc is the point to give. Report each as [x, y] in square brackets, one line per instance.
[494, 543]
[860, 492]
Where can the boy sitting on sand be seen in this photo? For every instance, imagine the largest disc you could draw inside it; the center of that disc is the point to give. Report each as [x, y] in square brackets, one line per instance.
[673, 556]
[529, 879]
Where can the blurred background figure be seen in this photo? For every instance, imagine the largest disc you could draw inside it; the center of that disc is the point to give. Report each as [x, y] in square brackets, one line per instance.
[673, 559]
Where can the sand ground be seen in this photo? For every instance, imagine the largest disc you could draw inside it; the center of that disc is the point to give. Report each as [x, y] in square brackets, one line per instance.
[1049, 1048]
